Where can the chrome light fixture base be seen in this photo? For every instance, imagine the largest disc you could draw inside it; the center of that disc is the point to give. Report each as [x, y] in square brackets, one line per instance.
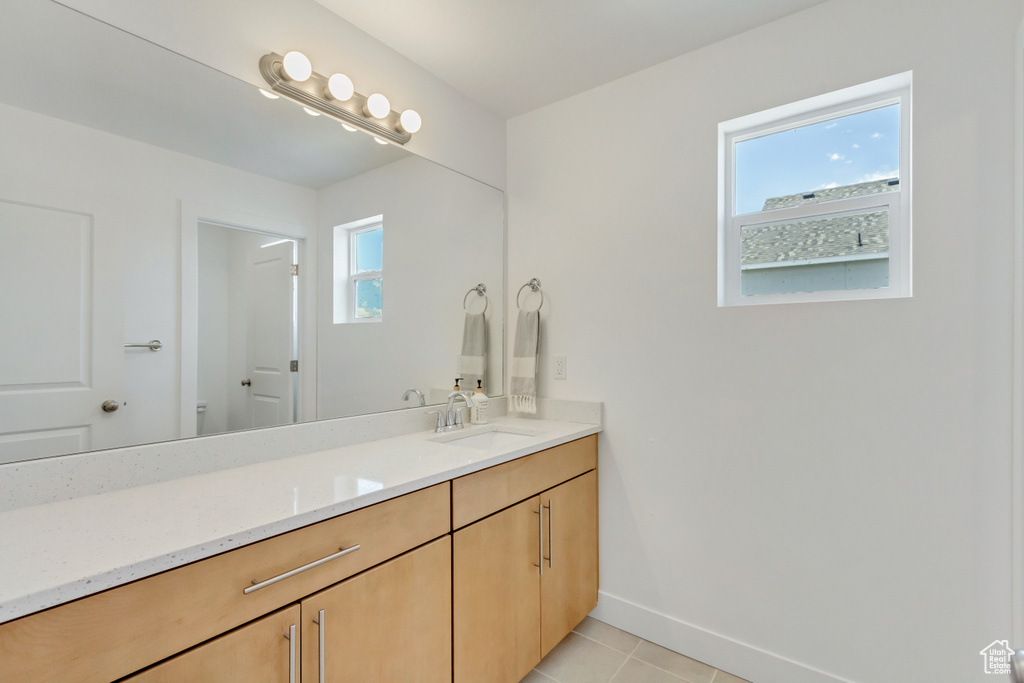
[310, 93]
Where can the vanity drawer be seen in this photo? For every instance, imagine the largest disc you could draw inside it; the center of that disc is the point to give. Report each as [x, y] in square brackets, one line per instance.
[477, 495]
[111, 634]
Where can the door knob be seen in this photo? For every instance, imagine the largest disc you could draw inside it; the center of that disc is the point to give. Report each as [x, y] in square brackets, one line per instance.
[110, 406]
[246, 382]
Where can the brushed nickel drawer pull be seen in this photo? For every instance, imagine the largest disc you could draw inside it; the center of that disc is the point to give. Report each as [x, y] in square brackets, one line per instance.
[551, 537]
[291, 653]
[257, 584]
[540, 533]
[321, 624]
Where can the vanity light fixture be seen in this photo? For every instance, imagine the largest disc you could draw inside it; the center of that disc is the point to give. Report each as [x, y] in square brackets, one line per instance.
[339, 87]
[292, 75]
[377, 106]
[296, 66]
[410, 121]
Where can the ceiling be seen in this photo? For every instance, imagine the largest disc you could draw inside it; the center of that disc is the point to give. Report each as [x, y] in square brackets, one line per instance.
[513, 56]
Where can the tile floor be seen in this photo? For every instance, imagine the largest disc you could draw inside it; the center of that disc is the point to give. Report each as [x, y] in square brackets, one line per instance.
[598, 653]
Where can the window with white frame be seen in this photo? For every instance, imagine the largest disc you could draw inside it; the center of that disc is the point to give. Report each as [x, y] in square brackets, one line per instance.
[359, 271]
[814, 199]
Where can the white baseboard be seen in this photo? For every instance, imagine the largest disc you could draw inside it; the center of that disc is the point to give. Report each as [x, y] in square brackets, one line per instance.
[737, 658]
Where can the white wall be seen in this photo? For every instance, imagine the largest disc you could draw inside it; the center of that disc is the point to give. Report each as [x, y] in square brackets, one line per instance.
[142, 188]
[806, 492]
[212, 341]
[442, 235]
[231, 36]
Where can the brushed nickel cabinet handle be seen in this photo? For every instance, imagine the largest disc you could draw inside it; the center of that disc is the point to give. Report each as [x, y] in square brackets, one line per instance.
[291, 653]
[551, 537]
[322, 630]
[540, 534]
[257, 584]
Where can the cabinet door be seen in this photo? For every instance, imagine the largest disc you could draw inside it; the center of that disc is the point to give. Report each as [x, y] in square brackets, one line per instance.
[569, 584]
[390, 623]
[496, 592]
[265, 650]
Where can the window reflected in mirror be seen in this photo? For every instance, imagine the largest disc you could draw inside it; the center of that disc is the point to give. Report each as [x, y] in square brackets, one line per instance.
[359, 271]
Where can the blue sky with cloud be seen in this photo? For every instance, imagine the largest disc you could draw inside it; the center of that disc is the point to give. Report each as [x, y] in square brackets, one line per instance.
[843, 151]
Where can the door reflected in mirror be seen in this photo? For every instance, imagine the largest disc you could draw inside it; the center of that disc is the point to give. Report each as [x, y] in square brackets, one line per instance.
[248, 330]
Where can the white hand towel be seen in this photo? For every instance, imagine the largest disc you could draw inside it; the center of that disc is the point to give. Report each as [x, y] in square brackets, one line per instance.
[473, 361]
[524, 362]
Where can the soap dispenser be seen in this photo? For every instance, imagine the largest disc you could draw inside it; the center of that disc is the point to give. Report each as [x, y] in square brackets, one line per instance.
[458, 380]
[479, 413]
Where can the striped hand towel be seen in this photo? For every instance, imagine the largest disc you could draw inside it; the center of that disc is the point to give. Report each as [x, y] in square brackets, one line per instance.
[525, 348]
[473, 361]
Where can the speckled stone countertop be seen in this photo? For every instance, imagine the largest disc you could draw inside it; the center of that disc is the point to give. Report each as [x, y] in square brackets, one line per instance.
[60, 551]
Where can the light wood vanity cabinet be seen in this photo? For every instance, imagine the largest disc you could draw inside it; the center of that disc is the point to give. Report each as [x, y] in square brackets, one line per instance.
[524, 576]
[390, 623]
[115, 633]
[517, 574]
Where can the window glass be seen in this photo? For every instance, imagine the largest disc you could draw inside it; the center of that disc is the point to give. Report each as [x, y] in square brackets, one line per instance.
[847, 250]
[830, 159]
[369, 298]
[369, 250]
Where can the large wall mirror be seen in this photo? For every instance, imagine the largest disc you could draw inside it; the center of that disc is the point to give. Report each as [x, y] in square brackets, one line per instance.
[290, 270]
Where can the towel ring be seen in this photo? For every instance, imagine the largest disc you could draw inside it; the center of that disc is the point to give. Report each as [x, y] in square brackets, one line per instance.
[534, 285]
[481, 290]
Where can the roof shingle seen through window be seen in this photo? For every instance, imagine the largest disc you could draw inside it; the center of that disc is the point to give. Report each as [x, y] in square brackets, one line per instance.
[830, 193]
[818, 238]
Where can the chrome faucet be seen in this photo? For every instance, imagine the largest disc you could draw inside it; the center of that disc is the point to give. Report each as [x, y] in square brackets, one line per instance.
[414, 390]
[453, 417]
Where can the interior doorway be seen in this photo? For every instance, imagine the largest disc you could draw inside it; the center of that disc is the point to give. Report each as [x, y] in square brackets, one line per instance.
[248, 335]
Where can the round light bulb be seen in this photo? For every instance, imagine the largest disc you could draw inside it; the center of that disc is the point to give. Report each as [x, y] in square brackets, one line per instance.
[269, 95]
[296, 66]
[410, 121]
[350, 129]
[378, 106]
[311, 112]
[339, 87]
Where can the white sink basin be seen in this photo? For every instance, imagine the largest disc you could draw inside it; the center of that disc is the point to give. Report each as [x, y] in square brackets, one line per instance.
[488, 438]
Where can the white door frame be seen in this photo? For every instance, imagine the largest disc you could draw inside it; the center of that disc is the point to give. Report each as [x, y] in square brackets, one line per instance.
[191, 216]
[1017, 507]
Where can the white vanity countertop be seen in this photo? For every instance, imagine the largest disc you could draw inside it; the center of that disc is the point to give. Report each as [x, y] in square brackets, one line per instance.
[54, 553]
